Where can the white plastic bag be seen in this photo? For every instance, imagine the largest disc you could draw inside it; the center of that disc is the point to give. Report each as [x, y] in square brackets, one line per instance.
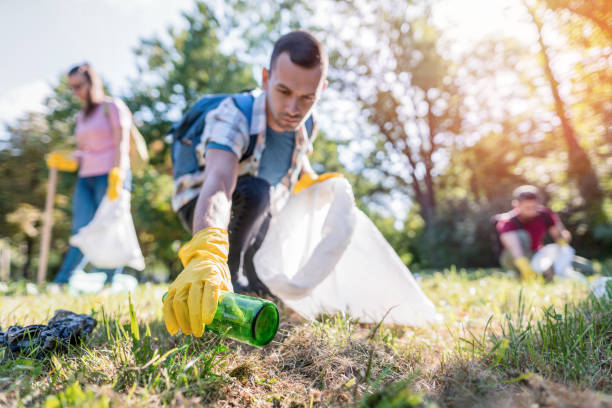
[82, 282]
[123, 283]
[109, 240]
[560, 257]
[600, 287]
[322, 255]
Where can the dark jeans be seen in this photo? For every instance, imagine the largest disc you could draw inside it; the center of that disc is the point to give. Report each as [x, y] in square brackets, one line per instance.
[88, 195]
[249, 221]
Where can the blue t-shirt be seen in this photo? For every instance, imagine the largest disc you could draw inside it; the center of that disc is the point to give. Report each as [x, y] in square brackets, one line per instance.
[276, 157]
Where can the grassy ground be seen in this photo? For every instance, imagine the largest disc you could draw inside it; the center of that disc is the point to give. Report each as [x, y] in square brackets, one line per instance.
[499, 344]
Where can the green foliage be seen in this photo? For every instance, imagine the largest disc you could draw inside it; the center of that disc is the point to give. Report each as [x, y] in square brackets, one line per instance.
[160, 233]
[461, 234]
[406, 92]
[396, 395]
[74, 396]
[572, 344]
[173, 75]
[190, 366]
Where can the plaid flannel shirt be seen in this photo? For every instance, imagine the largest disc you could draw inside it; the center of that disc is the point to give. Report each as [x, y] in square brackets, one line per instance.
[226, 125]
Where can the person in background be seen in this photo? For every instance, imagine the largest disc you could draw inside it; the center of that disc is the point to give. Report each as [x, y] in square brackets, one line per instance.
[102, 155]
[522, 231]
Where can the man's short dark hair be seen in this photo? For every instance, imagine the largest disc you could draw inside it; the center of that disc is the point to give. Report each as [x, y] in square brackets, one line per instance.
[526, 192]
[304, 50]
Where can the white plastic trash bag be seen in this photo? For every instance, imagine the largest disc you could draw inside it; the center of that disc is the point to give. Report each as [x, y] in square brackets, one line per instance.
[109, 240]
[123, 283]
[322, 255]
[83, 282]
[560, 257]
[601, 287]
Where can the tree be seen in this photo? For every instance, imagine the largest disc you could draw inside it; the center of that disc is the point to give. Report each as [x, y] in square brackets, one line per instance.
[406, 94]
[580, 168]
[23, 188]
[597, 11]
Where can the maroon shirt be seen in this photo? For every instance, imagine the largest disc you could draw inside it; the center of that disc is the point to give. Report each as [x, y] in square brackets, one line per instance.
[536, 227]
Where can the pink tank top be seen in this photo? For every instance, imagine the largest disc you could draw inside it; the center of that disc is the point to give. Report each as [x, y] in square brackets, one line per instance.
[95, 141]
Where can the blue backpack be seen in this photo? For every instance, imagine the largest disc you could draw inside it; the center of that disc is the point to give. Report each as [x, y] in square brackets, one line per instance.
[187, 133]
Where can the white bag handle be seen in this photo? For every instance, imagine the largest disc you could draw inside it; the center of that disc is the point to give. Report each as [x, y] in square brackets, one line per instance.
[336, 233]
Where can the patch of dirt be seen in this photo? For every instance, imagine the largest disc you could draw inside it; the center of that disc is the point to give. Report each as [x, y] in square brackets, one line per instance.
[463, 384]
[539, 392]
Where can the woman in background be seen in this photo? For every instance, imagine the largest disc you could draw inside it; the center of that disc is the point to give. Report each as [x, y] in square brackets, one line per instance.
[102, 136]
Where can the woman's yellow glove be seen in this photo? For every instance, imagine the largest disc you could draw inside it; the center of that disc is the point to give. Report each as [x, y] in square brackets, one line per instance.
[192, 298]
[307, 180]
[115, 183]
[62, 161]
[524, 267]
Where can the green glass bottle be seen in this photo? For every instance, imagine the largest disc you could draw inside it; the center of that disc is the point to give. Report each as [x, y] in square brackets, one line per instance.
[244, 318]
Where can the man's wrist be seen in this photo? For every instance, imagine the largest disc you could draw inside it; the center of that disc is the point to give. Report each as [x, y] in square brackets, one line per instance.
[212, 239]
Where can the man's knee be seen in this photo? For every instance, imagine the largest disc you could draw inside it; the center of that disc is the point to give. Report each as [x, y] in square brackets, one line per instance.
[252, 193]
[525, 240]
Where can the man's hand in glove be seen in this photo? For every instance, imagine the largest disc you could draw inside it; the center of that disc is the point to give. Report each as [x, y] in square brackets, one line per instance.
[524, 266]
[192, 298]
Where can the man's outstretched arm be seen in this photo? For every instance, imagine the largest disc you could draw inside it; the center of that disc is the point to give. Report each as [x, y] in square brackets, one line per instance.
[215, 200]
[192, 298]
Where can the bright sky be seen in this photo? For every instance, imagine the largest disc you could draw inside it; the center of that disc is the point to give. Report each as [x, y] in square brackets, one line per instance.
[40, 39]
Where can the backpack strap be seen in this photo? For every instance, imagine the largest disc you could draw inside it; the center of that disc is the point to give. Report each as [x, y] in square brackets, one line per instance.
[517, 223]
[244, 101]
[309, 126]
[548, 221]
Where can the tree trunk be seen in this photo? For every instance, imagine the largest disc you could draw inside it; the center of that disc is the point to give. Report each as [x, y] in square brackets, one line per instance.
[580, 168]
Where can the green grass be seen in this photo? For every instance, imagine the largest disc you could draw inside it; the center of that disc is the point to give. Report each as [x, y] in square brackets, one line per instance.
[572, 344]
[497, 341]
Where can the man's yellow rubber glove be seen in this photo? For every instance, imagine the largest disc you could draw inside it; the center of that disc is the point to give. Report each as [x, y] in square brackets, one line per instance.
[62, 162]
[524, 266]
[192, 298]
[115, 183]
[307, 180]
[561, 242]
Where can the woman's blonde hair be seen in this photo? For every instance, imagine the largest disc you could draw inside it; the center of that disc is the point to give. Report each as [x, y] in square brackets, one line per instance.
[95, 95]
